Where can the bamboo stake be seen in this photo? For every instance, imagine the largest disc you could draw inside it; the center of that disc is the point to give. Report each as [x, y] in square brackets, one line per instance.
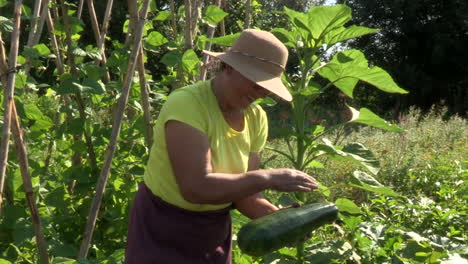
[24, 167]
[8, 95]
[210, 34]
[97, 36]
[32, 32]
[173, 19]
[44, 14]
[102, 37]
[248, 14]
[188, 24]
[4, 77]
[23, 161]
[34, 22]
[143, 85]
[101, 184]
[80, 9]
[145, 100]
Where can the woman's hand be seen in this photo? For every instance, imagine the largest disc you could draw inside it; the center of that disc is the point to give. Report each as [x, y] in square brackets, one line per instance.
[290, 180]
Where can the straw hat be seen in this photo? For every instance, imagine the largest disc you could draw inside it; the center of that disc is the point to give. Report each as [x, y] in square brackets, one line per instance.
[260, 57]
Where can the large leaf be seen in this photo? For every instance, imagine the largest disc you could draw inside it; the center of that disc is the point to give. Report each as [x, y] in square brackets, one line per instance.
[227, 40]
[367, 117]
[348, 33]
[287, 37]
[42, 122]
[347, 67]
[214, 14]
[163, 15]
[366, 182]
[172, 58]
[156, 39]
[363, 156]
[322, 19]
[190, 61]
[346, 205]
[71, 86]
[354, 152]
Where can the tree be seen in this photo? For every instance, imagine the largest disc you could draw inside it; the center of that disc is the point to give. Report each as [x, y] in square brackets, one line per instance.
[422, 44]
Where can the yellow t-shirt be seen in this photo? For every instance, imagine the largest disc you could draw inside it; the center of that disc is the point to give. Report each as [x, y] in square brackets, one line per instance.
[196, 106]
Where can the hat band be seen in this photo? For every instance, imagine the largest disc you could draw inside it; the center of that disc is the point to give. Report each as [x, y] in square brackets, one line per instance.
[258, 58]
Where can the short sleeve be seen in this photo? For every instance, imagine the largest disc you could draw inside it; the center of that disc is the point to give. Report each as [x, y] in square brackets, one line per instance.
[182, 106]
[260, 130]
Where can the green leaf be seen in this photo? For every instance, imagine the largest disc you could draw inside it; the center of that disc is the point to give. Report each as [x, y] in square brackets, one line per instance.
[79, 52]
[366, 182]
[93, 86]
[156, 39]
[163, 15]
[348, 67]
[42, 122]
[367, 117]
[354, 152]
[94, 72]
[71, 86]
[190, 61]
[227, 40]
[6, 25]
[42, 49]
[346, 205]
[62, 260]
[363, 156]
[172, 58]
[349, 33]
[287, 37]
[214, 14]
[322, 19]
[21, 79]
[4, 261]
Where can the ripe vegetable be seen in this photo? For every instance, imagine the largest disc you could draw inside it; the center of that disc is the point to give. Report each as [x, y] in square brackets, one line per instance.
[283, 227]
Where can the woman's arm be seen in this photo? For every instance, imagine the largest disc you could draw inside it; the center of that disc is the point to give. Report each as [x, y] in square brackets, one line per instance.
[190, 157]
[256, 205]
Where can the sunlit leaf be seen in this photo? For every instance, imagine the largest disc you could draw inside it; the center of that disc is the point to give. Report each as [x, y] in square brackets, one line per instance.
[322, 19]
[354, 152]
[346, 205]
[349, 33]
[227, 40]
[214, 14]
[6, 25]
[348, 67]
[365, 181]
[42, 122]
[163, 15]
[190, 61]
[156, 39]
[367, 117]
[42, 49]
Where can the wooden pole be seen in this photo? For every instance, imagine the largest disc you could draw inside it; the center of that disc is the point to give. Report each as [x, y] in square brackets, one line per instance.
[102, 37]
[209, 34]
[97, 36]
[101, 184]
[8, 95]
[143, 84]
[248, 14]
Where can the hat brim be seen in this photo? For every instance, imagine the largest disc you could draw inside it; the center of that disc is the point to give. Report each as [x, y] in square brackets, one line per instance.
[247, 67]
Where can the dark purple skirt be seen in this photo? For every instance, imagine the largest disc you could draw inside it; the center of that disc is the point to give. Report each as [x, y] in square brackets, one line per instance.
[159, 232]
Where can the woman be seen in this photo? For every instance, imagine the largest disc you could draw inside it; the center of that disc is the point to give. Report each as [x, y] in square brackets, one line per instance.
[205, 159]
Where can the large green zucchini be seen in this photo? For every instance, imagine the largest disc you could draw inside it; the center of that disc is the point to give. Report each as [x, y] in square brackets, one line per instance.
[284, 227]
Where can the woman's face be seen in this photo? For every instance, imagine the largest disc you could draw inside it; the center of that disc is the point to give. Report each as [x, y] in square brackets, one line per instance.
[241, 91]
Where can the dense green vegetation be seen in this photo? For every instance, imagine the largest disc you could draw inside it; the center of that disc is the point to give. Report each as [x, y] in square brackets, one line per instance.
[86, 116]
